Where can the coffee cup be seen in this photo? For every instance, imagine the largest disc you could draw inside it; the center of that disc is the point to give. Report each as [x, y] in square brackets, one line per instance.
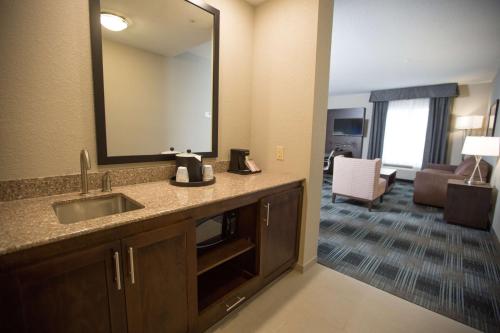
[208, 172]
[182, 175]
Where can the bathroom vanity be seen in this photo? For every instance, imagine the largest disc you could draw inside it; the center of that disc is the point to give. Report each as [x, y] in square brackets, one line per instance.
[140, 271]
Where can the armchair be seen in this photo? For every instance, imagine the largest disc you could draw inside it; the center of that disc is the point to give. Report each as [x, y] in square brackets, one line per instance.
[358, 179]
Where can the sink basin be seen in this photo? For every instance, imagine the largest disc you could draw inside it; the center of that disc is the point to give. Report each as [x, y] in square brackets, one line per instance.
[89, 208]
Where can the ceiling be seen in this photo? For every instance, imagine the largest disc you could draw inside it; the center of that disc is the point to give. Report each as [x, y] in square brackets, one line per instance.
[400, 43]
[166, 27]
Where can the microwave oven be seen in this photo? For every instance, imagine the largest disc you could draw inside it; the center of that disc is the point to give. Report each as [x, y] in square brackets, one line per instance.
[217, 229]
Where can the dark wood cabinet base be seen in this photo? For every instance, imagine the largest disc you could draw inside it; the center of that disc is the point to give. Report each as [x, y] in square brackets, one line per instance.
[149, 276]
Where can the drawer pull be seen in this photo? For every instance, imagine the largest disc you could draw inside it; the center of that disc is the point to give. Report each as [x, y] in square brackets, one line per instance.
[235, 304]
[118, 280]
[131, 264]
[268, 206]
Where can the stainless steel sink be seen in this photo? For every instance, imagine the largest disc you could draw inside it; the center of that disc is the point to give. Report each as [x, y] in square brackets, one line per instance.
[89, 208]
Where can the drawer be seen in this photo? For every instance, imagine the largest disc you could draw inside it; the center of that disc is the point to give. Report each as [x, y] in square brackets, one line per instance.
[230, 302]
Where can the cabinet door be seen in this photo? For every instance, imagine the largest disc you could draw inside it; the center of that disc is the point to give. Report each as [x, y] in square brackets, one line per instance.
[280, 220]
[79, 292]
[160, 279]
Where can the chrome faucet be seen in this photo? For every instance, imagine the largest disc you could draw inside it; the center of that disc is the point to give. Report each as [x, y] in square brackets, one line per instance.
[84, 166]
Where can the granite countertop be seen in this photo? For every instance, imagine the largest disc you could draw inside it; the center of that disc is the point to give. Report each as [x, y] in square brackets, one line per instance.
[32, 222]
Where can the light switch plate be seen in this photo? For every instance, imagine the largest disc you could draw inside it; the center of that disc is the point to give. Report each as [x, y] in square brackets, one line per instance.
[280, 153]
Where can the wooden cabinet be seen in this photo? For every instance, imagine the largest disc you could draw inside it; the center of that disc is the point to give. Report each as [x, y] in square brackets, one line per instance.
[149, 277]
[79, 292]
[280, 221]
[468, 205]
[146, 283]
[160, 279]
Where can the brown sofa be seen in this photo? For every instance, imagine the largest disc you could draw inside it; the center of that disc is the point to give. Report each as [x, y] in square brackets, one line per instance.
[431, 183]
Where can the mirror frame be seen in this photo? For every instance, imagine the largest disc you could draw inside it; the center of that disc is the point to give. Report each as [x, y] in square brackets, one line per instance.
[98, 82]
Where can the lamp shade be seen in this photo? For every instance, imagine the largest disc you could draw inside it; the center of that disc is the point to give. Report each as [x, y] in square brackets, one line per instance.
[469, 122]
[481, 146]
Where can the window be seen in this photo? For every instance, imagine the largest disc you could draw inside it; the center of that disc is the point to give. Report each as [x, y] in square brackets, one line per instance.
[405, 131]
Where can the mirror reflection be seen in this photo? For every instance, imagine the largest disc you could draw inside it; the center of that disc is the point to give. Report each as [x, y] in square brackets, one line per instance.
[157, 72]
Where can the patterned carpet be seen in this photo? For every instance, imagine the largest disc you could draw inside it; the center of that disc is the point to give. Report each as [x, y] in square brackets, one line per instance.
[409, 251]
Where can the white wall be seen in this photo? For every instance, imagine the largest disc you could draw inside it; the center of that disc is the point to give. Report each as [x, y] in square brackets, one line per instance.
[46, 96]
[290, 92]
[495, 179]
[355, 101]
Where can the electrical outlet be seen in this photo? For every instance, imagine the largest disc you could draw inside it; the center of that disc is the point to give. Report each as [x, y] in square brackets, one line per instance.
[280, 153]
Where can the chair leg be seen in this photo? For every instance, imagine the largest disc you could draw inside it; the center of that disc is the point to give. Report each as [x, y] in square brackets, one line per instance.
[334, 196]
[370, 206]
[382, 198]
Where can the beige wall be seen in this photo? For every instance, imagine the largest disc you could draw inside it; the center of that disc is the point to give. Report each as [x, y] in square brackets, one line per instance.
[46, 102]
[355, 101]
[235, 75]
[46, 96]
[473, 100]
[290, 93]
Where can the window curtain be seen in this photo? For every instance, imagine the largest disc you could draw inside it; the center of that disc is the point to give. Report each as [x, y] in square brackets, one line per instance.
[437, 90]
[405, 132]
[377, 131]
[437, 130]
[440, 99]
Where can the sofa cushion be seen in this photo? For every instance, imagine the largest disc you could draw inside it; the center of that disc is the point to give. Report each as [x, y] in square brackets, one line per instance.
[466, 167]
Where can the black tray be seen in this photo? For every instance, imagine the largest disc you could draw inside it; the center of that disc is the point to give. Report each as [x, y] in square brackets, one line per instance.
[192, 184]
[244, 172]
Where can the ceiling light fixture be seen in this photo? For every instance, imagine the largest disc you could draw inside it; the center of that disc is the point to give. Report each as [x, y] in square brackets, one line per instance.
[113, 22]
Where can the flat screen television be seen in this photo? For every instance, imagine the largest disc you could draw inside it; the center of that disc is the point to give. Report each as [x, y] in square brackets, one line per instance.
[348, 126]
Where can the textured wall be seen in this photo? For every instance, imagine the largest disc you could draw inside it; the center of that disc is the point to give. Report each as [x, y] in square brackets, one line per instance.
[46, 102]
[290, 92]
[46, 96]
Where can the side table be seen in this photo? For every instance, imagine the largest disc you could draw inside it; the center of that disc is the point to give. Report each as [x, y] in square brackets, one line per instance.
[390, 177]
[468, 205]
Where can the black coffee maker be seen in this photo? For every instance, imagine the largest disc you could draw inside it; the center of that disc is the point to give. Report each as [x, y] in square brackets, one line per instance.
[193, 163]
[237, 163]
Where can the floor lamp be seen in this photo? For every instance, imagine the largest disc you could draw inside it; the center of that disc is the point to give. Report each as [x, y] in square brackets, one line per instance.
[480, 146]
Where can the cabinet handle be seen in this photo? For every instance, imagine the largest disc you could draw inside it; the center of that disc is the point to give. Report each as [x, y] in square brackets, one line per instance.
[118, 278]
[131, 263]
[268, 206]
[235, 304]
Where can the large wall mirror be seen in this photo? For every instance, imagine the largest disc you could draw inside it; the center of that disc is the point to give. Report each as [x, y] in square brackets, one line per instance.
[155, 68]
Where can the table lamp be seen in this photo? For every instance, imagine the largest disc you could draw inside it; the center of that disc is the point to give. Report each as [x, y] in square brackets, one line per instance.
[467, 123]
[479, 146]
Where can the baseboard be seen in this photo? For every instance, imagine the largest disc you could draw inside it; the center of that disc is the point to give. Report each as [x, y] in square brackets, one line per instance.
[303, 268]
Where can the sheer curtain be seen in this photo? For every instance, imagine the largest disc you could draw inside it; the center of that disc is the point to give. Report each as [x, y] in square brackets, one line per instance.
[405, 131]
